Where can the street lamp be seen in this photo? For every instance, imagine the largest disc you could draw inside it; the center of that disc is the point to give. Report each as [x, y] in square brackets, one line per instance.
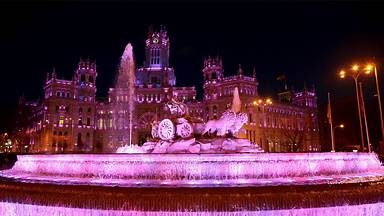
[333, 134]
[262, 102]
[355, 73]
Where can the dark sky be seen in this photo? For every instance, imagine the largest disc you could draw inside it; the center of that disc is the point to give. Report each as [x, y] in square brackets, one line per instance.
[308, 42]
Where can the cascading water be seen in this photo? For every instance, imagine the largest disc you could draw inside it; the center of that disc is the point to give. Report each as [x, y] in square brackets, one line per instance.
[126, 83]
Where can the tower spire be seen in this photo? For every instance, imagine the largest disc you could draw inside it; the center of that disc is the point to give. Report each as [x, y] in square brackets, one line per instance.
[54, 73]
[150, 30]
[47, 78]
[240, 70]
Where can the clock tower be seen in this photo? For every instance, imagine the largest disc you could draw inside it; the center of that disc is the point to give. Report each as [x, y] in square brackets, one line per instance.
[157, 48]
[156, 71]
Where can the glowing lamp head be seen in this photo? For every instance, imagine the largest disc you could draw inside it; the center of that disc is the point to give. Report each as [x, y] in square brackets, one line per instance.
[254, 103]
[342, 74]
[342, 126]
[369, 67]
[260, 101]
[355, 67]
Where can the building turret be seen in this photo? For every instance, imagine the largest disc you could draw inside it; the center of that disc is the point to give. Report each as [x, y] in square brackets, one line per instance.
[213, 69]
[305, 98]
[85, 78]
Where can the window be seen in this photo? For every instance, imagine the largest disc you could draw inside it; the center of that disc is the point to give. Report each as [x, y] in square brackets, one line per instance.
[90, 79]
[80, 110]
[57, 108]
[154, 80]
[101, 123]
[58, 94]
[213, 75]
[81, 121]
[82, 78]
[61, 121]
[79, 142]
[68, 95]
[155, 56]
[88, 121]
[89, 110]
[67, 108]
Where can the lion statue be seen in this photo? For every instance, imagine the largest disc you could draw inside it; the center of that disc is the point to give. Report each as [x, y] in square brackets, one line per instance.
[229, 123]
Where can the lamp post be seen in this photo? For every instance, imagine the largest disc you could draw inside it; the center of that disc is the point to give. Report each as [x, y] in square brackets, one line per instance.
[365, 117]
[355, 75]
[333, 133]
[380, 109]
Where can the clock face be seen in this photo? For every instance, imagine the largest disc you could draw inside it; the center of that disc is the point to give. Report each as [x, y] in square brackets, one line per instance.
[155, 40]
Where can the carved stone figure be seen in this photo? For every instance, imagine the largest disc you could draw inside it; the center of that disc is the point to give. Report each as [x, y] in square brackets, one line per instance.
[229, 123]
[167, 129]
[176, 108]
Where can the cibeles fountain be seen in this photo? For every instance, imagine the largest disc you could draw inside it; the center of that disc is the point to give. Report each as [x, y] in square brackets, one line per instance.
[183, 134]
[190, 167]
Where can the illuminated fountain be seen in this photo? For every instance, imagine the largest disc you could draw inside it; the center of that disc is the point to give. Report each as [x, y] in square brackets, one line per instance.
[125, 90]
[171, 159]
[192, 168]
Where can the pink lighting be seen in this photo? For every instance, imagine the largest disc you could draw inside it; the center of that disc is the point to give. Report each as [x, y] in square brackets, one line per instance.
[191, 170]
[28, 209]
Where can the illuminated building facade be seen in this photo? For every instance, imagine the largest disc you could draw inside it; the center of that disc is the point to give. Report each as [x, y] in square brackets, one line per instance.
[70, 119]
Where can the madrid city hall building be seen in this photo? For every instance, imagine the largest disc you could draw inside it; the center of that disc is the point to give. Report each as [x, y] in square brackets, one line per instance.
[70, 118]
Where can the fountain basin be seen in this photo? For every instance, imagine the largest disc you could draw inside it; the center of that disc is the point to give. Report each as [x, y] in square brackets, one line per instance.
[194, 170]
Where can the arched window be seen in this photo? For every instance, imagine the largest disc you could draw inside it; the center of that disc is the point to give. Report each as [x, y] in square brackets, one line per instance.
[82, 78]
[89, 110]
[80, 110]
[90, 79]
[213, 75]
[79, 141]
[88, 139]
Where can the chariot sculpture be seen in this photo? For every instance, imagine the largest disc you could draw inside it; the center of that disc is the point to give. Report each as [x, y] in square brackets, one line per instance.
[169, 128]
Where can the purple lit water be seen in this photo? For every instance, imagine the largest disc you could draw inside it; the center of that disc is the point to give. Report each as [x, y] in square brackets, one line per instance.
[197, 170]
[347, 210]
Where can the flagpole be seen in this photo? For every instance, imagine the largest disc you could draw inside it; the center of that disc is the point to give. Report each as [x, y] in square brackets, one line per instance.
[329, 115]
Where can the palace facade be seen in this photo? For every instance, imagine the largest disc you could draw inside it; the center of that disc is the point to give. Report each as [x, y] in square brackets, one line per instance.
[71, 119]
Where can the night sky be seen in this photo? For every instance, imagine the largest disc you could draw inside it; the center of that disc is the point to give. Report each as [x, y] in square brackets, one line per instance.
[308, 42]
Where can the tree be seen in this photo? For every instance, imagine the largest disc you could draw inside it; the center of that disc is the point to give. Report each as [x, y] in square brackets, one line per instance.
[294, 137]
